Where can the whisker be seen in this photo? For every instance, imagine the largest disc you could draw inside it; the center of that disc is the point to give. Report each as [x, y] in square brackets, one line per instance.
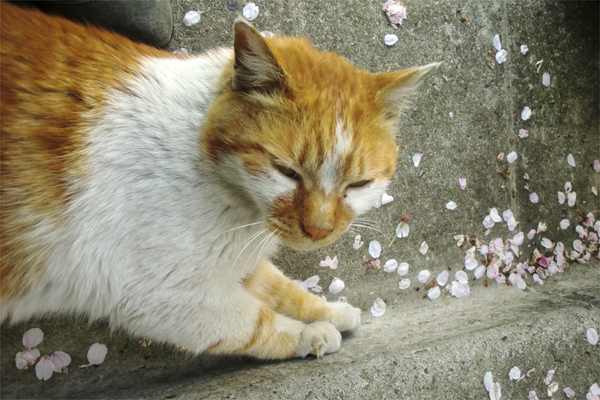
[239, 227]
[369, 227]
[252, 238]
[265, 240]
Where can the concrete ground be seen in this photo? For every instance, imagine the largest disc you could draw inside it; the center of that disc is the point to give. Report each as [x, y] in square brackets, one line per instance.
[462, 118]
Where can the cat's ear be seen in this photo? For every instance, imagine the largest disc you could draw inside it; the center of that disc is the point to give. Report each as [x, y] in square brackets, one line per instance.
[397, 88]
[256, 67]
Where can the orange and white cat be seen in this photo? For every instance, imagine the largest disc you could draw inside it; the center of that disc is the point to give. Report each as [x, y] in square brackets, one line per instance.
[150, 188]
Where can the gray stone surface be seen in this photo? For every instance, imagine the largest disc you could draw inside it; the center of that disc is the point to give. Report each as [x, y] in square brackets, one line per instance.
[420, 349]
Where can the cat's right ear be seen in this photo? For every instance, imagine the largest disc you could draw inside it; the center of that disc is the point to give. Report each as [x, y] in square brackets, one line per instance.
[255, 67]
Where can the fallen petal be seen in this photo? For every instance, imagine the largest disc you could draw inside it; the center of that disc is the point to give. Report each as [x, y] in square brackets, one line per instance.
[61, 360]
[390, 40]
[571, 199]
[312, 281]
[33, 337]
[250, 11]
[495, 393]
[514, 373]
[44, 368]
[534, 198]
[403, 269]
[524, 49]
[404, 284]
[267, 34]
[578, 245]
[459, 290]
[497, 44]
[542, 227]
[27, 358]
[495, 216]
[462, 182]
[424, 247]
[523, 133]
[533, 396]
[357, 242]
[501, 56]
[511, 157]
[417, 159]
[518, 238]
[488, 223]
[569, 393]
[423, 276]
[546, 243]
[386, 199]
[97, 353]
[526, 113]
[564, 224]
[561, 198]
[470, 263]
[451, 205]
[571, 160]
[434, 293]
[442, 278]
[374, 249]
[402, 230]
[390, 266]
[549, 376]
[596, 165]
[552, 388]
[462, 277]
[378, 308]
[592, 336]
[511, 224]
[488, 380]
[546, 79]
[395, 12]
[301, 285]
[479, 271]
[191, 18]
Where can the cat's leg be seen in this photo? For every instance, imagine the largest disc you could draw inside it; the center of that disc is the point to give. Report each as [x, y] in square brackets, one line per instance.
[221, 320]
[268, 284]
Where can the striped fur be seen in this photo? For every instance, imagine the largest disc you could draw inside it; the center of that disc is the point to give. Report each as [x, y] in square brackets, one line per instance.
[144, 187]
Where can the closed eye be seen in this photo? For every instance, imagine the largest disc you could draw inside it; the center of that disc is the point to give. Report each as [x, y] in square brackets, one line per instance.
[359, 183]
[290, 173]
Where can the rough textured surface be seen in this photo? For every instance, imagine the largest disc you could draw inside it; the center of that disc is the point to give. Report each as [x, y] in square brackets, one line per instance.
[420, 349]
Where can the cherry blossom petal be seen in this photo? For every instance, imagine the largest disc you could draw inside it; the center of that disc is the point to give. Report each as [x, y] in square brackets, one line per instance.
[561, 198]
[191, 18]
[374, 249]
[595, 389]
[442, 278]
[250, 11]
[33, 337]
[571, 160]
[578, 245]
[533, 396]
[594, 190]
[423, 276]
[44, 368]
[470, 263]
[592, 336]
[402, 230]
[546, 243]
[424, 247]
[395, 12]
[523, 133]
[301, 284]
[386, 199]
[495, 393]
[534, 198]
[596, 165]
[501, 56]
[526, 113]
[498, 47]
[507, 215]
[542, 227]
[390, 39]
[479, 271]
[512, 157]
[267, 34]
[459, 290]
[403, 269]
[552, 388]
[484, 250]
[524, 49]
[568, 187]
[511, 224]
[581, 231]
[549, 376]
[488, 381]
[357, 242]
[434, 293]
[518, 238]
[500, 157]
[451, 205]
[546, 79]
[569, 393]
[571, 199]
[495, 216]
[390, 266]
[61, 360]
[462, 277]
[462, 182]
[27, 358]
[514, 373]
[537, 279]
[378, 308]
[312, 281]
[488, 223]
[417, 159]
[97, 353]
[564, 224]
[597, 226]
[404, 284]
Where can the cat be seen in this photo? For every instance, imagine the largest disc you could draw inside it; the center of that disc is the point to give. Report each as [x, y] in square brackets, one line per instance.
[151, 189]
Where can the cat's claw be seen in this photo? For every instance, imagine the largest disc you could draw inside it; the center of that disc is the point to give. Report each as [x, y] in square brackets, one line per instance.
[318, 338]
[348, 318]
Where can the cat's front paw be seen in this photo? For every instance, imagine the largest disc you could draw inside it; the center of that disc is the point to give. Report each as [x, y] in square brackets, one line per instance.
[347, 317]
[318, 338]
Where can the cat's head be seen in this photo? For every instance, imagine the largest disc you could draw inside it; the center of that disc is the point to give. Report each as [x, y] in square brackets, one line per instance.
[303, 137]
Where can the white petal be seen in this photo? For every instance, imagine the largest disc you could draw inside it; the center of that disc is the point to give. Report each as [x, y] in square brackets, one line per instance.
[191, 18]
[495, 216]
[571, 199]
[488, 380]
[336, 286]
[534, 198]
[403, 269]
[514, 373]
[546, 243]
[549, 376]
[250, 11]
[301, 285]
[442, 278]
[568, 187]
[61, 360]
[512, 157]
[523, 133]
[546, 79]
[479, 271]
[571, 160]
[390, 39]
[417, 159]
[267, 34]
[44, 368]
[33, 337]
[357, 242]
[518, 238]
[564, 224]
[595, 389]
[97, 353]
[520, 283]
[390, 266]
[524, 49]
[378, 308]
[26, 358]
[569, 393]
[451, 205]
[312, 281]
[386, 199]
[375, 249]
[596, 165]
[495, 393]
[462, 182]
[488, 223]
[424, 247]
[423, 276]
[526, 114]
[595, 190]
[581, 231]
[561, 198]
[459, 290]
[501, 56]
[497, 44]
[507, 215]
[402, 230]
[404, 284]
[511, 224]
[552, 388]
[542, 227]
[500, 157]
[460, 239]
[462, 277]
[592, 336]
[434, 293]
[484, 250]
[532, 395]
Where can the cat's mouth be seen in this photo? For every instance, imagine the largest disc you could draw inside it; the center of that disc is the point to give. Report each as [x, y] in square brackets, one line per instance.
[307, 239]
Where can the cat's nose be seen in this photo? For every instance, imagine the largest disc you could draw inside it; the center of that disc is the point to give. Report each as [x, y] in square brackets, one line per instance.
[316, 232]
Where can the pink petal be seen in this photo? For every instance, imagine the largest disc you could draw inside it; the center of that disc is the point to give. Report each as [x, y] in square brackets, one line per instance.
[403, 269]
[378, 308]
[423, 276]
[552, 388]
[498, 47]
[488, 223]
[386, 199]
[511, 157]
[571, 160]
[531, 234]
[250, 11]
[546, 79]
[523, 133]
[97, 353]
[462, 277]
[470, 263]
[479, 271]
[596, 165]
[462, 182]
[533, 396]
[549, 377]
[514, 373]
[571, 199]
[518, 238]
[33, 337]
[459, 290]
[424, 247]
[44, 368]
[312, 281]
[301, 285]
[451, 205]
[495, 393]
[61, 360]
[27, 358]
[390, 266]
[534, 198]
[569, 393]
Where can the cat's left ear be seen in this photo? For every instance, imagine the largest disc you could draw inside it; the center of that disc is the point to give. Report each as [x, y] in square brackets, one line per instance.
[256, 67]
[397, 88]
